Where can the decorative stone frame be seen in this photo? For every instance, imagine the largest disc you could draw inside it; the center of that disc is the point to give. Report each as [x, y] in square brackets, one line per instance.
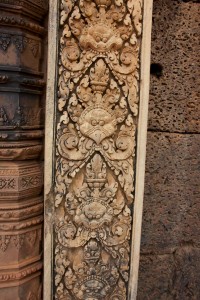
[50, 136]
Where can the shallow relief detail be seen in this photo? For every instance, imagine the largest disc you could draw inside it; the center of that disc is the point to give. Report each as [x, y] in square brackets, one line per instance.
[95, 147]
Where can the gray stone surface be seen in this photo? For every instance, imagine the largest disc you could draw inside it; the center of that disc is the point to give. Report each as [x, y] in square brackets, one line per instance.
[170, 277]
[174, 95]
[172, 192]
[170, 247]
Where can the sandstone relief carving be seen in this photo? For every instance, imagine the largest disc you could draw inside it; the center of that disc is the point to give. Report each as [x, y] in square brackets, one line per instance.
[22, 41]
[97, 116]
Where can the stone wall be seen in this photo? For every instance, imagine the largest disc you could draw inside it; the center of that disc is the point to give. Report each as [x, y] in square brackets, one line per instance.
[170, 249]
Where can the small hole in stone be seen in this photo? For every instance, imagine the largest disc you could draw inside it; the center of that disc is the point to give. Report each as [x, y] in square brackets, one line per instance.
[156, 69]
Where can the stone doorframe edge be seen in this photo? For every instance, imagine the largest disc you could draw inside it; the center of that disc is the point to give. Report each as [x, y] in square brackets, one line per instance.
[50, 122]
[49, 151]
[145, 59]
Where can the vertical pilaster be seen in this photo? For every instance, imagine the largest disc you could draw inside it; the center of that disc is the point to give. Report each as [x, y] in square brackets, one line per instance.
[96, 124]
[21, 145]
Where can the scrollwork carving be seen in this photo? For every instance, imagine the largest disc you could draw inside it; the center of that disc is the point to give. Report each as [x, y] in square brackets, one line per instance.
[95, 141]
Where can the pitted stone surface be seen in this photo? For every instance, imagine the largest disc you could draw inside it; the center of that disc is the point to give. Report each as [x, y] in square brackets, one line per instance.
[172, 192]
[174, 95]
[155, 277]
[170, 277]
[170, 247]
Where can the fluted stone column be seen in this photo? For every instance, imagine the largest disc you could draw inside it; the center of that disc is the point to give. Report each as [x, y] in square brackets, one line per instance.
[21, 144]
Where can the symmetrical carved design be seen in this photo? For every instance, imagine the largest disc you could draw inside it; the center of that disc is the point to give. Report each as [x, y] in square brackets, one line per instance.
[8, 183]
[18, 118]
[99, 221]
[23, 116]
[20, 42]
[4, 241]
[3, 117]
[96, 128]
[18, 240]
[17, 179]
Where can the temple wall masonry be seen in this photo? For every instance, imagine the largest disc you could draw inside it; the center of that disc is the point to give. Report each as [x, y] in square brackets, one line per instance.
[170, 249]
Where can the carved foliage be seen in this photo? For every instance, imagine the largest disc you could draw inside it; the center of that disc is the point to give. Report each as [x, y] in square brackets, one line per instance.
[4, 241]
[20, 42]
[18, 241]
[97, 108]
[23, 116]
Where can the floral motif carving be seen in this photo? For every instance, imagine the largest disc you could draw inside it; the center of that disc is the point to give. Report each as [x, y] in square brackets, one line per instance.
[23, 116]
[18, 240]
[20, 42]
[4, 242]
[31, 237]
[18, 119]
[5, 40]
[3, 117]
[96, 128]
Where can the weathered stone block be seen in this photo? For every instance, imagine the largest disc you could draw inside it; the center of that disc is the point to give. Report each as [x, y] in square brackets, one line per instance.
[174, 96]
[155, 277]
[170, 277]
[172, 192]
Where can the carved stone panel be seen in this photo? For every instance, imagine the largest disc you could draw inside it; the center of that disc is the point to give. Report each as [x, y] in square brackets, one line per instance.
[96, 124]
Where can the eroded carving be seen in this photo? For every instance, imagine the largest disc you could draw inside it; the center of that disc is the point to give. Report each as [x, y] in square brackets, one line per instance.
[98, 107]
[23, 116]
[4, 242]
[20, 42]
[3, 117]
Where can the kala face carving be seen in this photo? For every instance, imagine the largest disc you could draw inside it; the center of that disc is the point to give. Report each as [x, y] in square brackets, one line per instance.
[96, 126]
